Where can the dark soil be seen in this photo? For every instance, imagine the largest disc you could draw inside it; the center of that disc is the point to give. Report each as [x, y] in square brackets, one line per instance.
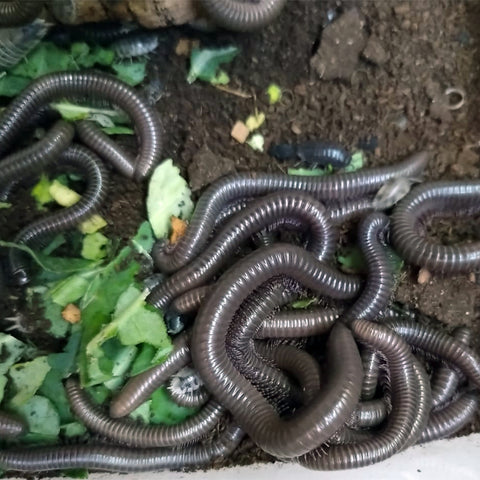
[427, 47]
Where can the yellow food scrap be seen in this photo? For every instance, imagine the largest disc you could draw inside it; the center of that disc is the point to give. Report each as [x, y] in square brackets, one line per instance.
[71, 313]
[255, 121]
[179, 228]
[92, 224]
[240, 132]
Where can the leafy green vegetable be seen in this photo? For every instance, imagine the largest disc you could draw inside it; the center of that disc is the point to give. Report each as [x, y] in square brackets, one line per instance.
[221, 78]
[358, 159]
[73, 429]
[168, 194]
[27, 378]
[308, 172]
[86, 56]
[41, 193]
[42, 419]
[118, 130]
[352, 259]
[132, 73]
[59, 265]
[92, 224]
[164, 410]
[142, 413]
[71, 288]
[63, 195]
[144, 239]
[303, 303]
[47, 58]
[11, 350]
[53, 389]
[95, 246]
[12, 85]
[255, 121]
[71, 112]
[3, 383]
[5, 205]
[204, 63]
[274, 93]
[53, 313]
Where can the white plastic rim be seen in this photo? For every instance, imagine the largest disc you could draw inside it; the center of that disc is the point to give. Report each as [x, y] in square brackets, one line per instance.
[456, 459]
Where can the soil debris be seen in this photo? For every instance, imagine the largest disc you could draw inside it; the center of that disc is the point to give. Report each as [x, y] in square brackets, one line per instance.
[340, 47]
[206, 167]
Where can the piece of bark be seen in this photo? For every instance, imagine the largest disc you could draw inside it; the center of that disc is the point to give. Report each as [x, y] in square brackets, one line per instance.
[149, 13]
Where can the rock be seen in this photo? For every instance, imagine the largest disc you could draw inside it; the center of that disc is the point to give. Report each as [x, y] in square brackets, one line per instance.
[206, 167]
[374, 51]
[342, 42]
[424, 276]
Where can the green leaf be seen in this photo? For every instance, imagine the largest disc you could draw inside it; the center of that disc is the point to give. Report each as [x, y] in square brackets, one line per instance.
[70, 289]
[53, 313]
[144, 239]
[26, 379]
[221, 78]
[204, 63]
[92, 224]
[118, 130]
[303, 303]
[357, 162]
[142, 413]
[95, 246]
[86, 57]
[3, 383]
[53, 389]
[143, 360]
[164, 410]
[351, 259]
[308, 172]
[57, 241]
[132, 73]
[168, 194]
[64, 362]
[11, 351]
[42, 419]
[40, 192]
[72, 113]
[78, 473]
[73, 429]
[274, 93]
[61, 265]
[45, 58]
[63, 195]
[5, 205]
[12, 85]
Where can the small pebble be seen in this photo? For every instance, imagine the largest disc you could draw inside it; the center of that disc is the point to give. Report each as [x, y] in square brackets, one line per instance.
[424, 276]
[240, 132]
[472, 277]
[296, 129]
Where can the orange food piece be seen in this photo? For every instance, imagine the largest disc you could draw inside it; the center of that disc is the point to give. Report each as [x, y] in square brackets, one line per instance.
[179, 227]
[71, 313]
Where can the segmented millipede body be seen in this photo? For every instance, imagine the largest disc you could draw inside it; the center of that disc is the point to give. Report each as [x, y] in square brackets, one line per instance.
[10, 426]
[57, 86]
[19, 12]
[95, 174]
[243, 16]
[135, 44]
[312, 425]
[140, 387]
[427, 201]
[121, 459]
[313, 153]
[232, 187]
[272, 209]
[17, 42]
[128, 432]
